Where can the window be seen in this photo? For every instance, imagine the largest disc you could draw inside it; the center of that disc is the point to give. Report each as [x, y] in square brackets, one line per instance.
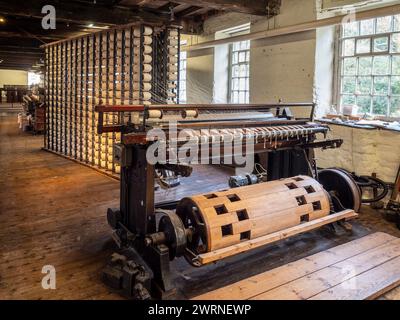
[182, 74]
[239, 72]
[370, 65]
[33, 78]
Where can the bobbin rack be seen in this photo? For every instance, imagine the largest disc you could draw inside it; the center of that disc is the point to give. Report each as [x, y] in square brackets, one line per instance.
[130, 64]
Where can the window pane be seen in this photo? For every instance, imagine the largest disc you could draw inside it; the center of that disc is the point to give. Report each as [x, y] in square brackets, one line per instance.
[244, 45]
[349, 85]
[364, 104]
[242, 56]
[396, 23]
[367, 27]
[350, 66]
[242, 97]
[384, 24]
[395, 85]
[395, 107]
[243, 70]
[365, 66]
[381, 85]
[348, 100]
[364, 85]
[236, 46]
[396, 65]
[380, 105]
[235, 71]
[235, 58]
[395, 46]
[242, 84]
[363, 46]
[350, 29]
[235, 84]
[381, 65]
[235, 97]
[381, 44]
[348, 47]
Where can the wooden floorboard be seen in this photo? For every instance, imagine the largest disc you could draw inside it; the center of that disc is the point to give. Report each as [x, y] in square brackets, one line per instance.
[53, 211]
[362, 269]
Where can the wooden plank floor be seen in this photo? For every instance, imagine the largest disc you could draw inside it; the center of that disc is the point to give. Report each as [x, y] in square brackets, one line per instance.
[362, 269]
[52, 212]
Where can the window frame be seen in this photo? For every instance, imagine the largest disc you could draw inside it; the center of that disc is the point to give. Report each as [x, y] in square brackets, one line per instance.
[230, 68]
[390, 75]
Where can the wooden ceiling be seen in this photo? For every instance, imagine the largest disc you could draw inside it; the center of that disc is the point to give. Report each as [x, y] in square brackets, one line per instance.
[21, 33]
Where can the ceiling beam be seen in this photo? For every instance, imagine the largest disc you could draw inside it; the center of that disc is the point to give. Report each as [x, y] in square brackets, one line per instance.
[298, 28]
[188, 11]
[28, 35]
[21, 49]
[256, 7]
[83, 13]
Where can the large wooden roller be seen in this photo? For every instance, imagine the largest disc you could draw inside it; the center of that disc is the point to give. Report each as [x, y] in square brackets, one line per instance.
[227, 218]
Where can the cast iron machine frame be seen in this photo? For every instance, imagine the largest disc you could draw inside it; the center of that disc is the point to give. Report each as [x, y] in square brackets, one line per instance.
[150, 235]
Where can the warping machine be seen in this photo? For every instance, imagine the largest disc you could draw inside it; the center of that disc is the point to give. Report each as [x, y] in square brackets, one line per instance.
[210, 227]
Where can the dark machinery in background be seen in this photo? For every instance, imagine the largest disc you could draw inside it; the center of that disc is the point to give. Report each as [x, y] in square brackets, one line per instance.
[13, 93]
[35, 110]
[211, 227]
[392, 210]
[371, 191]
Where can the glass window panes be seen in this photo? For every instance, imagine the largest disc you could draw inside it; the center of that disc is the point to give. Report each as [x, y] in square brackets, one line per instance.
[381, 44]
[239, 72]
[395, 86]
[367, 27]
[395, 107]
[349, 84]
[350, 66]
[364, 104]
[350, 29]
[381, 85]
[380, 105]
[348, 47]
[364, 85]
[363, 46]
[384, 24]
[396, 65]
[365, 66]
[395, 43]
[370, 65]
[381, 65]
[396, 23]
[348, 99]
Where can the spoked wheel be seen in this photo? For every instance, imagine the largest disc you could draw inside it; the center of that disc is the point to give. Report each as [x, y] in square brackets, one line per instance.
[171, 225]
[366, 182]
[341, 185]
[197, 238]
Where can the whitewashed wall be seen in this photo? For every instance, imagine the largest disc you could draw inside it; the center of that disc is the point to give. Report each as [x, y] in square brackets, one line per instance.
[364, 152]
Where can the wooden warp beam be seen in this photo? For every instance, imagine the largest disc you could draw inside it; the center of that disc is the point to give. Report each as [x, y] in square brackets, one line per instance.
[238, 215]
